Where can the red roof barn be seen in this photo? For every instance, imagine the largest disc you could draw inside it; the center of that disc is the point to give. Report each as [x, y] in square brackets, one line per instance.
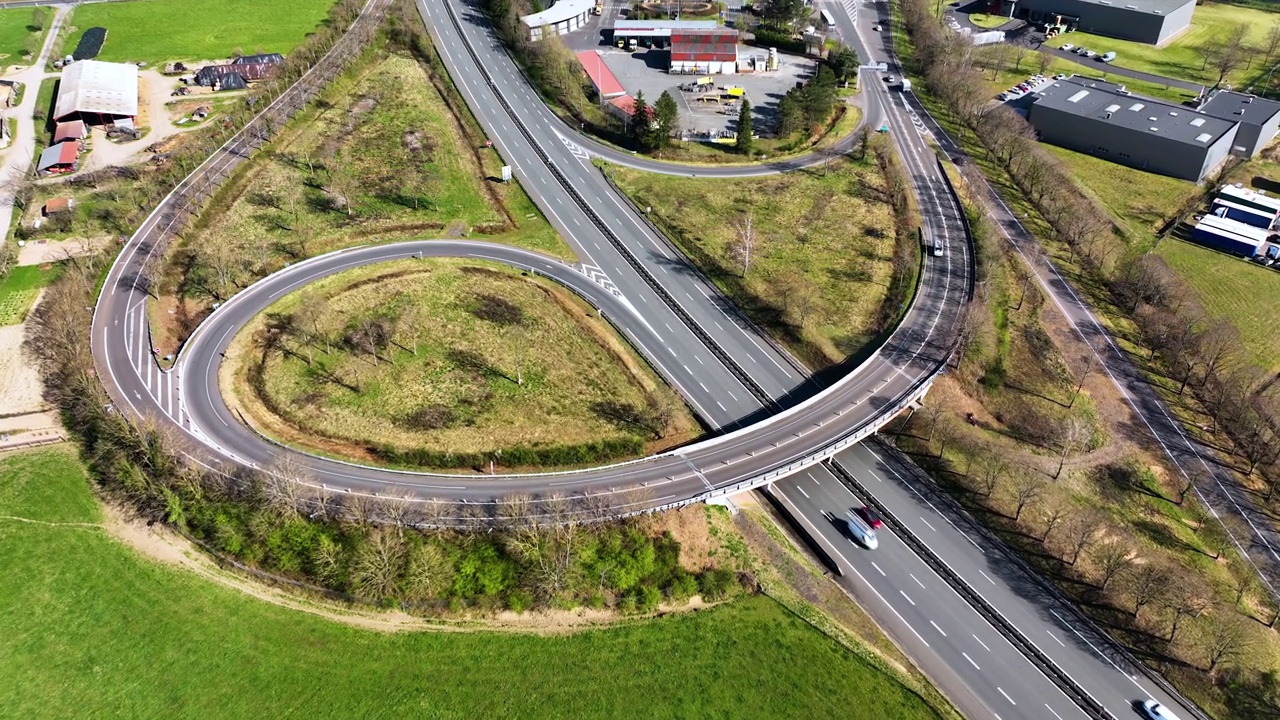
[713, 51]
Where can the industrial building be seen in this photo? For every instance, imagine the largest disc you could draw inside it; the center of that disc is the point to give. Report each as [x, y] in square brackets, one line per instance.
[1259, 119]
[655, 33]
[564, 16]
[1102, 119]
[708, 52]
[1146, 21]
[99, 93]
[602, 78]
[1231, 237]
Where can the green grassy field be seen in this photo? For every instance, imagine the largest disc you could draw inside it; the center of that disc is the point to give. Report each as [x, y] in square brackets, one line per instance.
[1179, 58]
[465, 367]
[19, 288]
[1232, 287]
[825, 260]
[1006, 76]
[1141, 200]
[157, 31]
[91, 629]
[984, 20]
[18, 36]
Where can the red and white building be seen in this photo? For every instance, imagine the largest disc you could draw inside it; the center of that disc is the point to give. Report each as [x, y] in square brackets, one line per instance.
[704, 52]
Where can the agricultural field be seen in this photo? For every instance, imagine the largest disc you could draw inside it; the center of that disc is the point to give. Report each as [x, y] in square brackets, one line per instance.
[18, 290]
[1180, 58]
[380, 158]
[92, 628]
[21, 33]
[1230, 287]
[824, 256]
[475, 360]
[157, 31]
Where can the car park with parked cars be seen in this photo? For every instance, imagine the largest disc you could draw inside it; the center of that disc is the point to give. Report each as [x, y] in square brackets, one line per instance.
[1067, 47]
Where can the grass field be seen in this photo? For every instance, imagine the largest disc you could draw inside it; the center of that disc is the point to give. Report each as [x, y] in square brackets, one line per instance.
[18, 36]
[984, 20]
[91, 629]
[156, 31]
[381, 158]
[19, 289]
[465, 367]
[1232, 287]
[1005, 75]
[1179, 58]
[1141, 200]
[825, 260]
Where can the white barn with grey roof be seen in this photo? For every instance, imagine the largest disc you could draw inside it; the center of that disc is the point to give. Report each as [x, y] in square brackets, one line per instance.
[97, 92]
[1098, 118]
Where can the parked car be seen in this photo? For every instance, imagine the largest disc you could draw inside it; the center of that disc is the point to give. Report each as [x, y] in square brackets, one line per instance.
[1091, 54]
[1003, 96]
[1067, 47]
[1081, 50]
[1108, 57]
[876, 28]
[1060, 76]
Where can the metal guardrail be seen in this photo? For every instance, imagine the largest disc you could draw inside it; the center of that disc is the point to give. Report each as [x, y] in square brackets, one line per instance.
[1056, 675]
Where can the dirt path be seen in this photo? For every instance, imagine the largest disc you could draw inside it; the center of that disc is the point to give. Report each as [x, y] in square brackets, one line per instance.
[44, 251]
[155, 88]
[20, 388]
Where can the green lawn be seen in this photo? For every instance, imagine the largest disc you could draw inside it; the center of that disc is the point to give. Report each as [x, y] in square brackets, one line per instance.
[156, 31]
[984, 20]
[1232, 287]
[1010, 73]
[19, 289]
[1179, 58]
[19, 37]
[1141, 200]
[91, 630]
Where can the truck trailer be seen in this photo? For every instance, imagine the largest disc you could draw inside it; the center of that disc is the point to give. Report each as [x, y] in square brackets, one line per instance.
[1241, 195]
[1229, 236]
[1243, 213]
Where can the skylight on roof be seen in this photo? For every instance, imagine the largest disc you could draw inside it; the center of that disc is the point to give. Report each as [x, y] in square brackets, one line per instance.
[1197, 122]
[1078, 96]
[1203, 137]
[1112, 108]
[1136, 107]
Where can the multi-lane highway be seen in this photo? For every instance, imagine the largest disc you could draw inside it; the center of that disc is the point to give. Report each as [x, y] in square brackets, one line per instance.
[772, 421]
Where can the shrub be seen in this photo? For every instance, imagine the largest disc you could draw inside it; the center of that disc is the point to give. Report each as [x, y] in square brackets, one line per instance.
[715, 583]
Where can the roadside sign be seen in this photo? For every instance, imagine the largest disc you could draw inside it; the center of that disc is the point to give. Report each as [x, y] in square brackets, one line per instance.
[506, 173]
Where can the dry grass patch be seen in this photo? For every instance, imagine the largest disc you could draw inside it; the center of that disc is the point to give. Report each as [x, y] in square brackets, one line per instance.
[474, 359]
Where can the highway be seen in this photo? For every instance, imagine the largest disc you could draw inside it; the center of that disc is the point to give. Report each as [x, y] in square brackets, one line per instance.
[771, 421]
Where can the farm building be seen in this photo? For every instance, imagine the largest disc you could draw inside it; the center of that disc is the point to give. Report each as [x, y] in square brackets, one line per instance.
[655, 33]
[261, 59]
[58, 159]
[704, 51]
[1102, 119]
[235, 76]
[1229, 236]
[58, 205]
[1259, 119]
[1257, 199]
[624, 108]
[98, 93]
[1146, 21]
[1243, 214]
[602, 78]
[73, 130]
[564, 16]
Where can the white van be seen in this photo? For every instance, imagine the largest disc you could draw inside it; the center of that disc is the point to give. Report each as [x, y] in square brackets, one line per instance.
[1156, 711]
[1107, 57]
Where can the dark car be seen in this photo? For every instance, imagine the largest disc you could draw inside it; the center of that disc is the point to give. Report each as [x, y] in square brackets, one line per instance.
[871, 516]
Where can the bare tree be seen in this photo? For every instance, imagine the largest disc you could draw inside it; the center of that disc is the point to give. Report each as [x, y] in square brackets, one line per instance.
[1217, 346]
[1027, 489]
[1090, 364]
[1271, 42]
[1112, 559]
[995, 468]
[1150, 582]
[1072, 435]
[426, 572]
[377, 565]
[1043, 61]
[1187, 599]
[1082, 531]
[746, 242]
[1019, 53]
[284, 480]
[1054, 512]
[1243, 579]
[1225, 640]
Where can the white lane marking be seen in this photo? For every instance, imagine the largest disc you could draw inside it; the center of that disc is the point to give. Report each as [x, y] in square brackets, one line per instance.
[1046, 705]
[1055, 637]
[926, 522]
[908, 597]
[975, 666]
[877, 567]
[988, 577]
[935, 627]
[913, 577]
[1005, 694]
[984, 645]
[802, 492]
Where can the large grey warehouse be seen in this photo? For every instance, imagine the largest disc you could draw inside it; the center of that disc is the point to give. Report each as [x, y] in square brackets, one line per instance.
[1147, 21]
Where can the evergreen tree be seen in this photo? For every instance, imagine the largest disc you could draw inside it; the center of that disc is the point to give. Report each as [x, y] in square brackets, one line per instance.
[639, 130]
[790, 115]
[667, 115]
[744, 128]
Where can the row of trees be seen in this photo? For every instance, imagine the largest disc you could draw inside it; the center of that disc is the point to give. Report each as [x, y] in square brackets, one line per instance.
[652, 128]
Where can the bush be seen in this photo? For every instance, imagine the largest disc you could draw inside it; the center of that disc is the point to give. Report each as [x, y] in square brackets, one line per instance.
[715, 584]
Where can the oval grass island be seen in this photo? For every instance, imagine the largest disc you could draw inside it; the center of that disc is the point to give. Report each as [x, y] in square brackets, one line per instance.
[449, 364]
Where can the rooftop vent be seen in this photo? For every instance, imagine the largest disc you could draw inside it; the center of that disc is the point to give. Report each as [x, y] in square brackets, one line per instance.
[1173, 113]
[1156, 12]
[1203, 137]
[1197, 122]
[1136, 107]
[1108, 117]
[1249, 99]
[1132, 7]
[1154, 129]
[1152, 119]
[1240, 111]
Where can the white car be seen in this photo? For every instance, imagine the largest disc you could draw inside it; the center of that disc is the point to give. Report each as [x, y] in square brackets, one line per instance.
[1091, 54]
[861, 532]
[1156, 711]
[1067, 47]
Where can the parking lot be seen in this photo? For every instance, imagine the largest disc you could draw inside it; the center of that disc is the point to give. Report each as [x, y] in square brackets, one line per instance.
[703, 113]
